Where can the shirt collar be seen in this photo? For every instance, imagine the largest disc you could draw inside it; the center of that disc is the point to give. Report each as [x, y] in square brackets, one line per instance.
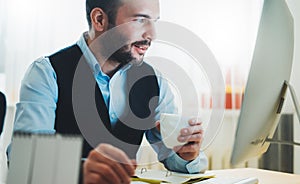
[89, 56]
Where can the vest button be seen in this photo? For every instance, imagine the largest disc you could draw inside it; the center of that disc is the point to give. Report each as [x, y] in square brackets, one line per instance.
[113, 116]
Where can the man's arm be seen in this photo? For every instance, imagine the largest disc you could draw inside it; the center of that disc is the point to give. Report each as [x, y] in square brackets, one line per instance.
[38, 96]
[184, 160]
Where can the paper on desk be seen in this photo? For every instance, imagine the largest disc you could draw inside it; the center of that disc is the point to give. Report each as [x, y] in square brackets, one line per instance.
[159, 176]
[230, 180]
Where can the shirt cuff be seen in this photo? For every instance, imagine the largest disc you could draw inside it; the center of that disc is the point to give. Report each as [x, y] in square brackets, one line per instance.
[177, 164]
[200, 164]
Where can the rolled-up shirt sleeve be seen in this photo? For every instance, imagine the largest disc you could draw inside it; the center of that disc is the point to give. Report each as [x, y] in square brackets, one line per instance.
[171, 160]
[35, 111]
[176, 163]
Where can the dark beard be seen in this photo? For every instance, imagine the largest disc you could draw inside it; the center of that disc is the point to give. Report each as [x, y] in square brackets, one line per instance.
[122, 57]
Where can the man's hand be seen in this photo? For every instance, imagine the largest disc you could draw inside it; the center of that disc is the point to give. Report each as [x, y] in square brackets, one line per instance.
[108, 164]
[193, 135]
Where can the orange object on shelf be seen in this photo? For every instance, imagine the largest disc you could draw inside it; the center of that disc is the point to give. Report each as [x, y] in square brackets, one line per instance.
[228, 97]
[238, 98]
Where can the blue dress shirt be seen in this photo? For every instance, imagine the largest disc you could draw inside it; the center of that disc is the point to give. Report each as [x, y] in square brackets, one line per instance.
[39, 94]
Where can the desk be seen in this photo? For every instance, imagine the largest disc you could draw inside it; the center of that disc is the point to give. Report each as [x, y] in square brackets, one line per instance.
[264, 176]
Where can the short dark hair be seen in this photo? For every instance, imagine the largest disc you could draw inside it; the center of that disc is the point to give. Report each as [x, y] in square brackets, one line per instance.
[110, 7]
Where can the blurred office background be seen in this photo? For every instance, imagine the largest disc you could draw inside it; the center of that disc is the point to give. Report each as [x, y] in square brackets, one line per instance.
[34, 28]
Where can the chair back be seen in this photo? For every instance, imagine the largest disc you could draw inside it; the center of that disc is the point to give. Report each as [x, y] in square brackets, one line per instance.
[2, 110]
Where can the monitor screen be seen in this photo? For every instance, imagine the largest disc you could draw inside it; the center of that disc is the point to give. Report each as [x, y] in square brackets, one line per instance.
[270, 68]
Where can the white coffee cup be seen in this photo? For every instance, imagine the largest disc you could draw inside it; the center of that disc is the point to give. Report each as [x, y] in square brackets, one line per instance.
[170, 126]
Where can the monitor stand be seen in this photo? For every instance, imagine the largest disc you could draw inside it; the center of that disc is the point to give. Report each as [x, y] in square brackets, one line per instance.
[297, 107]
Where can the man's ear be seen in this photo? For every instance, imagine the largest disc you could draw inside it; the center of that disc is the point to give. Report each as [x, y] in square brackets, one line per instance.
[99, 19]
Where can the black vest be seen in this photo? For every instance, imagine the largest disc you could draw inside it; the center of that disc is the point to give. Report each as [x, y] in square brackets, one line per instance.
[140, 91]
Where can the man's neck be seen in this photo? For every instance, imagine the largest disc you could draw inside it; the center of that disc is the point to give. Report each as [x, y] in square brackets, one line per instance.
[107, 66]
[110, 68]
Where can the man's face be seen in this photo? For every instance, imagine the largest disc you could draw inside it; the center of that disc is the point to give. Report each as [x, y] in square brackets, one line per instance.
[137, 18]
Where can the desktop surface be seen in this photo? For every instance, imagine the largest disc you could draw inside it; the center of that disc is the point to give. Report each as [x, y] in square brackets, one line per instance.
[263, 176]
[247, 176]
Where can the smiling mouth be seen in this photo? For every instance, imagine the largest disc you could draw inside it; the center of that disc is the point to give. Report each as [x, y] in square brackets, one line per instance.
[141, 47]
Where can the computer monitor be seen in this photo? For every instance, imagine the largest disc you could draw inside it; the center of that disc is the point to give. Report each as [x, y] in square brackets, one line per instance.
[264, 93]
